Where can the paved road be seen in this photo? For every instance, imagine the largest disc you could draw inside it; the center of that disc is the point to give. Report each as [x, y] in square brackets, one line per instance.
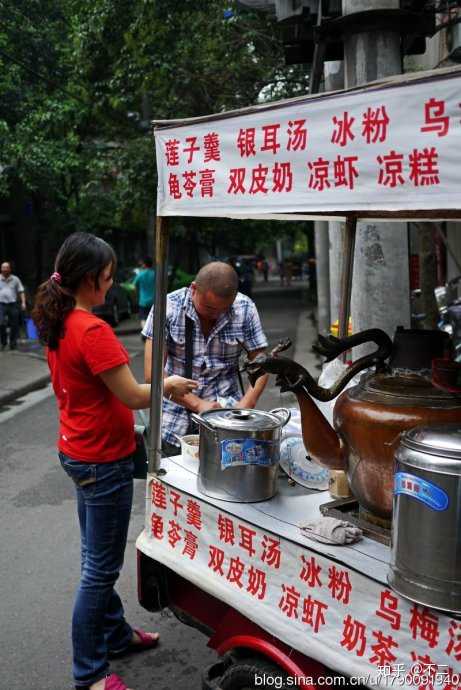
[39, 552]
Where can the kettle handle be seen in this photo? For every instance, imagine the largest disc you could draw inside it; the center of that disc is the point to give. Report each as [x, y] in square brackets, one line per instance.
[282, 413]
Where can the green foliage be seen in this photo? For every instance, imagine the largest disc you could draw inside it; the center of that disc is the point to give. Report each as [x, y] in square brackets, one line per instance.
[80, 81]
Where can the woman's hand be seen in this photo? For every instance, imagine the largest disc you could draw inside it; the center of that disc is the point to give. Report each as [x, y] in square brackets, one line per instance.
[176, 387]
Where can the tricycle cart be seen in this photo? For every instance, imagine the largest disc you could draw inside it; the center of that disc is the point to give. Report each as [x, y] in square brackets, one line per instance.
[281, 610]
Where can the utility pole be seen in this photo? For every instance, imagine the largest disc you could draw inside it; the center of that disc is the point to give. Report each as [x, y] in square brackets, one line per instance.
[334, 81]
[380, 292]
[322, 257]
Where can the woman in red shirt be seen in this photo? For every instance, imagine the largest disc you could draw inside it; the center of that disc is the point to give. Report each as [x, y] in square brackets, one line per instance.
[96, 393]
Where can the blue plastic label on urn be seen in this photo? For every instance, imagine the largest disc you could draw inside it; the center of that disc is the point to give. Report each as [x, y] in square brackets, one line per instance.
[424, 491]
[248, 451]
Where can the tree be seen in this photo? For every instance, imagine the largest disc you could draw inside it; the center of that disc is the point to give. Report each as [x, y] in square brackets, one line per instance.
[80, 81]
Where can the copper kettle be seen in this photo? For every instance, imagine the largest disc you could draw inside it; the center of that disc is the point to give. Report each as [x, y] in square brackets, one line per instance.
[396, 395]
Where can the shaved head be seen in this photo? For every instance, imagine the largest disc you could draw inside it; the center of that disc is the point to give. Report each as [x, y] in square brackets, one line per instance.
[219, 278]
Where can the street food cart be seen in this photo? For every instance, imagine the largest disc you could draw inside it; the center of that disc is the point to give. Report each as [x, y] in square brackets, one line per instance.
[277, 607]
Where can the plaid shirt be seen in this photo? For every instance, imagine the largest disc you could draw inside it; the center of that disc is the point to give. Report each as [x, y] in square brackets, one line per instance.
[215, 359]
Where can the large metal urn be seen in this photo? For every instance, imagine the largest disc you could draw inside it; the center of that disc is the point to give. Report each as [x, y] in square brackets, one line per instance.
[395, 394]
[426, 524]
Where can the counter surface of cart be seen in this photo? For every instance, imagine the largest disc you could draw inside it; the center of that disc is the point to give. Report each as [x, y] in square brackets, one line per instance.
[331, 603]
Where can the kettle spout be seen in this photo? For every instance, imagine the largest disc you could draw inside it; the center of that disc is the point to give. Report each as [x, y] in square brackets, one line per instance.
[320, 439]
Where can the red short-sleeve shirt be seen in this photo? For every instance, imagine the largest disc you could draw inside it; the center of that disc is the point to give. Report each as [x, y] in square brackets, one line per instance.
[94, 425]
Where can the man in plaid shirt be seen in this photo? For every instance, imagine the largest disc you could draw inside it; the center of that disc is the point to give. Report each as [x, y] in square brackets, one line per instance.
[221, 316]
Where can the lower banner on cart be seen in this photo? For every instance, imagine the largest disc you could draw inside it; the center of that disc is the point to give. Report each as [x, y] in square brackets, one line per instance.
[318, 606]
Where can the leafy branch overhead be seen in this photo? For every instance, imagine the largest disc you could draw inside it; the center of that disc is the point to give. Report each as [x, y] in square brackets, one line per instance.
[80, 82]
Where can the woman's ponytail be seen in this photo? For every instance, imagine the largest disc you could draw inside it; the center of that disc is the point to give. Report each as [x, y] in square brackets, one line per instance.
[52, 304]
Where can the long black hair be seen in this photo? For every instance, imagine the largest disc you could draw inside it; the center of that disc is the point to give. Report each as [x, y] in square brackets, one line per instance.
[80, 256]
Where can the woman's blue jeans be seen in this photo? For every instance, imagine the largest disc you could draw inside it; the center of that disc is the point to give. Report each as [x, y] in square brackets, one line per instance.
[104, 499]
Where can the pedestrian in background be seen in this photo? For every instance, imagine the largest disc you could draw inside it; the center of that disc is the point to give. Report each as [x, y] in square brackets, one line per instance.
[96, 393]
[145, 286]
[11, 293]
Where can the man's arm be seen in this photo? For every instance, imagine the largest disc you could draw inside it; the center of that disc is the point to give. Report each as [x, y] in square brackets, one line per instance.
[190, 401]
[253, 393]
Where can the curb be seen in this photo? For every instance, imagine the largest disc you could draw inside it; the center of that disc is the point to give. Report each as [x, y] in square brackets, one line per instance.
[41, 382]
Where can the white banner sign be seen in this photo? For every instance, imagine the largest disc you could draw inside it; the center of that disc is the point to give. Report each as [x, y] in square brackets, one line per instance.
[319, 607]
[393, 148]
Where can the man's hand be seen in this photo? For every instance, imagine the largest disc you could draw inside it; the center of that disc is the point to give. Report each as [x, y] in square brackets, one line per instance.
[247, 402]
[206, 405]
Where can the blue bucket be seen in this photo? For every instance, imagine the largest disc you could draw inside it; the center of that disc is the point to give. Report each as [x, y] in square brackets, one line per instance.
[31, 330]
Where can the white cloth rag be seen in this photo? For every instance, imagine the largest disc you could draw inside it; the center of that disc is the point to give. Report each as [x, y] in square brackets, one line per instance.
[329, 530]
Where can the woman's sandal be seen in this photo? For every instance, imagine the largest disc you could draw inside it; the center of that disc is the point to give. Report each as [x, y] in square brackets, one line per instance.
[145, 642]
[113, 682]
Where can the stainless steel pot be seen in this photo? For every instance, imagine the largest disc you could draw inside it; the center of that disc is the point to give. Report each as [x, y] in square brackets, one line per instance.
[426, 525]
[239, 453]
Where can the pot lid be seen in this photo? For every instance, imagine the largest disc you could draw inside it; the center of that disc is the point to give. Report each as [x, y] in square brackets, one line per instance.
[242, 420]
[441, 446]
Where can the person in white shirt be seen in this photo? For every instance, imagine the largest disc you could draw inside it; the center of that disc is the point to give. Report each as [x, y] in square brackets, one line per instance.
[11, 294]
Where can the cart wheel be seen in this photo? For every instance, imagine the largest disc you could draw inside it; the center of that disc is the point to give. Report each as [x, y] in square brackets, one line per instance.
[253, 673]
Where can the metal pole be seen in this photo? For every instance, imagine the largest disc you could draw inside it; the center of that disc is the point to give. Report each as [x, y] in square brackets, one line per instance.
[322, 255]
[346, 275]
[158, 343]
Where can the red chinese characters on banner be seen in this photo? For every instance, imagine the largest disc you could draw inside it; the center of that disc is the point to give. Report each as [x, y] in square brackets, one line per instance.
[354, 636]
[247, 536]
[452, 680]
[271, 553]
[206, 182]
[310, 572]
[270, 138]
[175, 502]
[424, 169]
[190, 544]
[189, 183]
[282, 177]
[435, 118]
[388, 609]
[158, 495]
[289, 601]
[339, 584]
[297, 135]
[226, 531]
[391, 171]
[211, 147]
[345, 171]
[216, 560]
[259, 180]
[318, 178]
[342, 132]
[257, 584]
[194, 514]
[314, 613]
[246, 142]
[236, 181]
[425, 625]
[235, 572]
[174, 533]
[156, 523]
[172, 152]
[191, 148]
[374, 125]
[453, 648]
[382, 649]
[174, 188]
[422, 672]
